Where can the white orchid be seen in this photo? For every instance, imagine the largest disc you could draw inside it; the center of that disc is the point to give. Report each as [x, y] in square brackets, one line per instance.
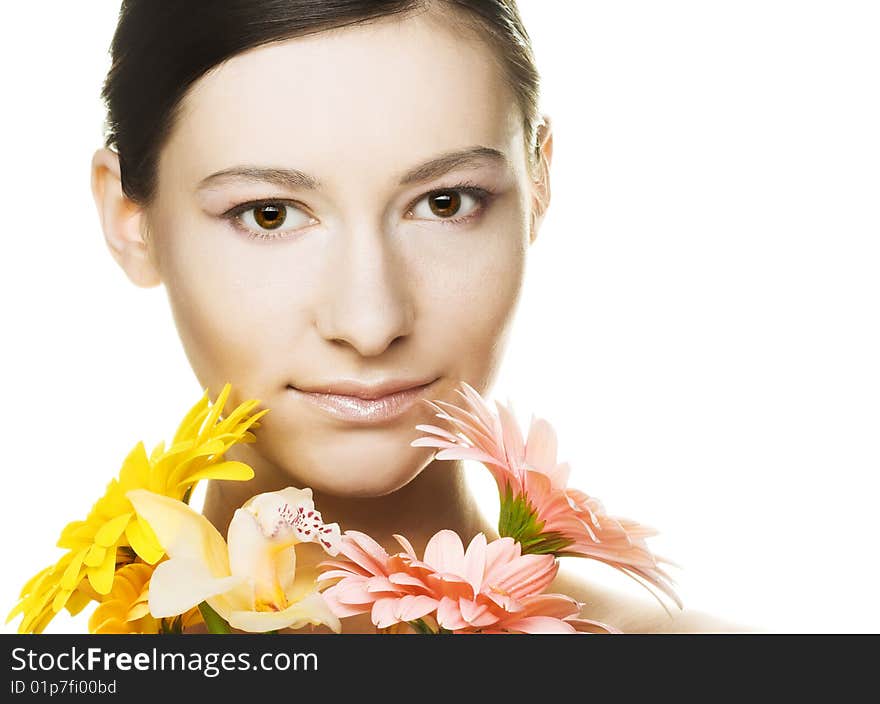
[251, 582]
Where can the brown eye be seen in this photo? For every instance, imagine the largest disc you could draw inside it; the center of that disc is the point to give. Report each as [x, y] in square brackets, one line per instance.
[445, 204]
[270, 217]
[451, 206]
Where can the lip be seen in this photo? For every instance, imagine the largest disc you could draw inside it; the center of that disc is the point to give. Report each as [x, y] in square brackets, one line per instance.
[354, 402]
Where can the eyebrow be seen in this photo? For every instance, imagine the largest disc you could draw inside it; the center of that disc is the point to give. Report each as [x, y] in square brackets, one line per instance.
[472, 157]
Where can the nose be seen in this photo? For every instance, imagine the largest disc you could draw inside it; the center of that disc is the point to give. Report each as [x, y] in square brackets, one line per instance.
[366, 303]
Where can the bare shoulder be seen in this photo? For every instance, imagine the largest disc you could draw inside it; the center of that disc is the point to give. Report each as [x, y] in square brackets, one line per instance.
[632, 614]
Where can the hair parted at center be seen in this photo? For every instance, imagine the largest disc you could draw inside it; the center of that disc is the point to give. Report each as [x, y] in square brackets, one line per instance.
[162, 47]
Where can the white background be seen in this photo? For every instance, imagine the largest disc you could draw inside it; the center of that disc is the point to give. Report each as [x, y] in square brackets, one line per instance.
[700, 319]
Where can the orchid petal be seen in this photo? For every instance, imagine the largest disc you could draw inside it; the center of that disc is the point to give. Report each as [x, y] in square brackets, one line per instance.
[181, 531]
[179, 584]
[313, 609]
[252, 555]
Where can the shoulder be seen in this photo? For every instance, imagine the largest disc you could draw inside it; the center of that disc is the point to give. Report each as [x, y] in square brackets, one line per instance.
[633, 614]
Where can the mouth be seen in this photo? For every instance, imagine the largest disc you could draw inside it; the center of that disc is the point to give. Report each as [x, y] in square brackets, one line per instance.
[365, 406]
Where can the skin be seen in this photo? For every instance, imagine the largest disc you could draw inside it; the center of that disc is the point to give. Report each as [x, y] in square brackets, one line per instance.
[363, 280]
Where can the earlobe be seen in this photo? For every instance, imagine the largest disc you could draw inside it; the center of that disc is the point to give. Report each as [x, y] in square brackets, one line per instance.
[541, 185]
[122, 220]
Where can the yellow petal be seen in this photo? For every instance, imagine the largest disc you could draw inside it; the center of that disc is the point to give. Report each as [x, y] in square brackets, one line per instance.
[311, 610]
[135, 470]
[183, 532]
[191, 461]
[70, 578]
[95, 556]
[240, 413]
[192, 420]
[138, 611]
[101, 577]
[114, 625]
[235, 471]
[77, 602]
[216, 410]
[157, 452]
[16, 610]
[72, 535]
[60, 600]
[144, 541]
[33, 582]
[109, 533]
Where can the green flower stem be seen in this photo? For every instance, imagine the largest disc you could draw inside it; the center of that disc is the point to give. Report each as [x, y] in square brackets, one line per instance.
[213, 620]
[420, 626]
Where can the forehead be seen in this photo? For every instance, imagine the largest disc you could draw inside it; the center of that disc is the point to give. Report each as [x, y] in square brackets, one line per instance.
[374, 98]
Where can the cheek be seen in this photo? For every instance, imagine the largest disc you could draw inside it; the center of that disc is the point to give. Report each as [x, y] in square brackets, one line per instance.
[235, 316]
[474, 293]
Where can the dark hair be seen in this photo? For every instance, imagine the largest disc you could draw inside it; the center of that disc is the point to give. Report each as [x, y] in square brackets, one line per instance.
[161, 47]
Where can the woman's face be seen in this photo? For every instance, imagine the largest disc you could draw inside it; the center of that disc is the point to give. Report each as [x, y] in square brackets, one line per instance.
[378, 234]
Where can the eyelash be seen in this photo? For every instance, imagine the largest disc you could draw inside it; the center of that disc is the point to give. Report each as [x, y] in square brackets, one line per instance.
[482, 195]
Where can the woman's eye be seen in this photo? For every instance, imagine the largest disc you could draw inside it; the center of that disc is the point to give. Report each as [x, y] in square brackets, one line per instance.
[266, 220]
[454, 204]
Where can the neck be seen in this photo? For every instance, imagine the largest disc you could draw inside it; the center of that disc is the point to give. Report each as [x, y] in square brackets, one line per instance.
[437, 498]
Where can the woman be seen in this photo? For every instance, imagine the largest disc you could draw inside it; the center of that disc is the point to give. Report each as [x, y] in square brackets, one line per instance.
[339, 200]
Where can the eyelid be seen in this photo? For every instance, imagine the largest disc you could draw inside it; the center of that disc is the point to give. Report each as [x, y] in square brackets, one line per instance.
[481, 194]
[233, 215]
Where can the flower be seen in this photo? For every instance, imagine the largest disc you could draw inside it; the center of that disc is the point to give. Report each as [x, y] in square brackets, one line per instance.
[112, 535]
[537, 508]
[125, 609]
[252, 582]
[490, 588]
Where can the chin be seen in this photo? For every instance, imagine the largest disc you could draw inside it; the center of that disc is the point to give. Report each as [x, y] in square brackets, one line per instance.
[356, 477]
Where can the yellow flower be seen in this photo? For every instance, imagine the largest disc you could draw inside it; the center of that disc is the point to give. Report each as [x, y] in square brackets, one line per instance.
[125, 609]
[112, 535]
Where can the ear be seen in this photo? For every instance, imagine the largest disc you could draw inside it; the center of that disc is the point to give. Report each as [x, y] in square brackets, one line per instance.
[123, 221]
[541, 180]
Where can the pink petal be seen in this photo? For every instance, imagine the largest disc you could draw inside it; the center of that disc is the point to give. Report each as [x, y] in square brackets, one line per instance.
[475, 562]
[365, 551]
[541, 446]
[498, 554]
[404, 579]
[468, 453]
[383, 614]
[412, 607]
[445, 553]
[513, 442]
[471, 612]
[437, 430]
[353, 591]
[341, 610]
[380, 584]
[333, 574]
[527, 575]
[559, 476]
[480, 408]
[554, 605]
[472, 428]
[448, 615]
[406, 545]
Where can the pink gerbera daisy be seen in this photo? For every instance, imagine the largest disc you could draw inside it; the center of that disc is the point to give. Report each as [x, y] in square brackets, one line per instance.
[537, 508]
[489, 588]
